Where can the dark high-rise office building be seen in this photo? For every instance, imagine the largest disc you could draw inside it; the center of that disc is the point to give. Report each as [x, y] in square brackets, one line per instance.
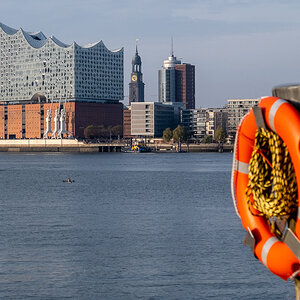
[185, 85]
[176, 83]
[136, 86]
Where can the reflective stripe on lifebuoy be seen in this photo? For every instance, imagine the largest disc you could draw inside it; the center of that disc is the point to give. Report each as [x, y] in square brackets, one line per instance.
[284, 119]
[273, 112]
[242, 167]
[266, 248]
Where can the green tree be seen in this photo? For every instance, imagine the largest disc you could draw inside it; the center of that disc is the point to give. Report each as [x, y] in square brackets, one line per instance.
[207, 139]
[90, 132]
[220, 135]
[180, 133]
[96, 131]
[167, 135]
[117, 130]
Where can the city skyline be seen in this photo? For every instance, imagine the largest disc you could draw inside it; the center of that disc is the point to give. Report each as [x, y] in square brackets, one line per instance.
[241, 49]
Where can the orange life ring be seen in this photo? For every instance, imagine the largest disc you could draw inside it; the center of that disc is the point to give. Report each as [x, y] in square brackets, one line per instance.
[284, 119]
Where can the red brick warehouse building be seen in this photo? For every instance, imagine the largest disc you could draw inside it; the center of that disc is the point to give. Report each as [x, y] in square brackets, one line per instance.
[19, 121]
[127, 123]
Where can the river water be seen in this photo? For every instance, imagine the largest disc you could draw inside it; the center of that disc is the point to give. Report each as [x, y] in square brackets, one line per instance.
[131, 226]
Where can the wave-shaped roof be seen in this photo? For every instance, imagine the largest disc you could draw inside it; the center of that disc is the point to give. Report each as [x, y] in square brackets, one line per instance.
[38, 39]
[7, 29]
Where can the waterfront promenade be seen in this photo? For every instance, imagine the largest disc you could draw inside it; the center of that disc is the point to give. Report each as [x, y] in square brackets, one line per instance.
[70, 145]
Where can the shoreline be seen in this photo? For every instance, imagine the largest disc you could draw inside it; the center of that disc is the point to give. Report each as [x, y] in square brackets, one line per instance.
[74, 146]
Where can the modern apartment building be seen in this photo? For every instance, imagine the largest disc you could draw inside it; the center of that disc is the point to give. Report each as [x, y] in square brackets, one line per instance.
[216, 118]
[188, 119]
[195, 122]
[237, 109]
[203, 121]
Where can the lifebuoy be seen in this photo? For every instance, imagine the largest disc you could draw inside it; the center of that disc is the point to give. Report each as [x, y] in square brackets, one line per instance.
[281, 117]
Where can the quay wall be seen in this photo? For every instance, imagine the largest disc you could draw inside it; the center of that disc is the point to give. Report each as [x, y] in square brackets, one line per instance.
[213, 147]
[55, 145]
[70, 145]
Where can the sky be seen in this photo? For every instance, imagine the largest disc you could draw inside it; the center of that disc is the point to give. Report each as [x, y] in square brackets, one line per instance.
[240, 48]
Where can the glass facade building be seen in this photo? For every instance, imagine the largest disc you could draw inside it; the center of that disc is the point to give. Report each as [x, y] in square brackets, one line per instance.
[166, 80]
[32, 64]
[176, 83]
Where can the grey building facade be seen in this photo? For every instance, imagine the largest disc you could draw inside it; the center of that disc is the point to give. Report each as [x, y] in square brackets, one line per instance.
[30, 63]
[151, 118]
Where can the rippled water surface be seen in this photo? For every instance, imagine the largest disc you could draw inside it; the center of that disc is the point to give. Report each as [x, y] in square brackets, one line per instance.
[131, 226]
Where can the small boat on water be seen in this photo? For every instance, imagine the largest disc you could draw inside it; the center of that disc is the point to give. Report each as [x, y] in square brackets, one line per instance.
[69, 180]
[136, 149]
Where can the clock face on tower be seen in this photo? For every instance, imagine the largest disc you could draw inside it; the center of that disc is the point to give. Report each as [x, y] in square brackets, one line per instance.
[134, 78]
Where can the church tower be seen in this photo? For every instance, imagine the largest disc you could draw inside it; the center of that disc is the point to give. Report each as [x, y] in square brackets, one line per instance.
[136, 86]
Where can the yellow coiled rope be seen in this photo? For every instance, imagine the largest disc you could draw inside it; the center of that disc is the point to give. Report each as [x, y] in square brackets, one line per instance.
[272, 181]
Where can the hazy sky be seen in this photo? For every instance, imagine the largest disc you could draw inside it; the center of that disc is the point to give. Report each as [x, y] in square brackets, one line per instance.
[241, 48]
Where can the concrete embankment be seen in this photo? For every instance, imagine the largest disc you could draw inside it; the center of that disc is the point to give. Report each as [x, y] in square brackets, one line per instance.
[194, 148]
[66, 145]
[28, 145]
[207, 148]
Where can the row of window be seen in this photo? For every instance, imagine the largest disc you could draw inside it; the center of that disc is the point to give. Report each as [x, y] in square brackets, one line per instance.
[18, 64]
